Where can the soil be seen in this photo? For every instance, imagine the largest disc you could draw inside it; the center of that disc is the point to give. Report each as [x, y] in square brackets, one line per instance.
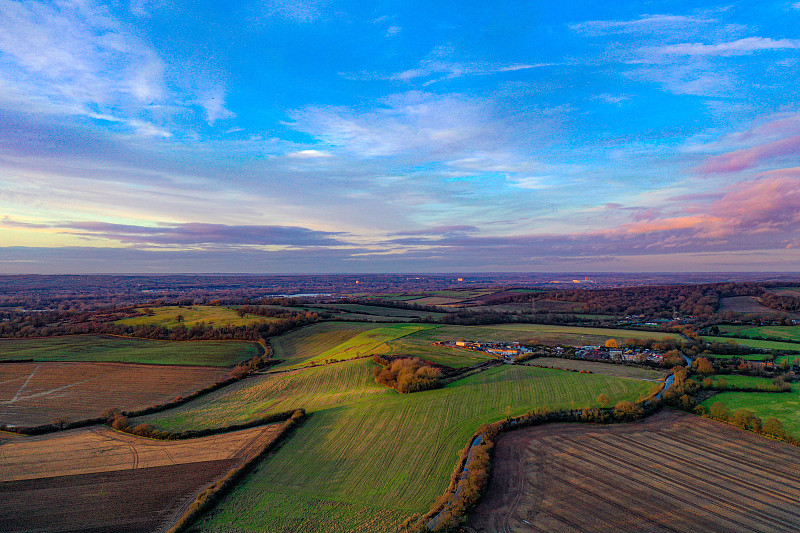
[32, 394]
[672, 472]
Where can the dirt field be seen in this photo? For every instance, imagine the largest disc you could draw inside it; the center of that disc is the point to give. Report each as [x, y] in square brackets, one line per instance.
[747, 304]
[41, 393]
[609, 369]
[672, 472]
[100, 481]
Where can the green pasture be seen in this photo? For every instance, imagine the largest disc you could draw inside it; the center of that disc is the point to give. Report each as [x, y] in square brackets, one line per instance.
[370, 453]
[214, 315]
[785, 406]
[743, 382]
[756, 343]
[747, 357]
[103, 348]
[791, 333]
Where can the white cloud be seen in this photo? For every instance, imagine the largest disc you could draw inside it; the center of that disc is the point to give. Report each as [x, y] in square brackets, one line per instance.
[739, 47]
[644, 24]
[309, 154]
[213, 103]
[393, 30]
[302, 11]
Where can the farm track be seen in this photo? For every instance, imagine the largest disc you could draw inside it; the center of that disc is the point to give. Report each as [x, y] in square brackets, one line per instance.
[670, 473]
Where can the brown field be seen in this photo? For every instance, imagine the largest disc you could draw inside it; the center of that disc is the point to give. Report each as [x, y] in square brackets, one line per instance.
[746, 304]
[672, 472]
[40, 393]
[101, 481]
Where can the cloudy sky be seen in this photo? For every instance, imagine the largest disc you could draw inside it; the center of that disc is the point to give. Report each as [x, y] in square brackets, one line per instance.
[324, 136]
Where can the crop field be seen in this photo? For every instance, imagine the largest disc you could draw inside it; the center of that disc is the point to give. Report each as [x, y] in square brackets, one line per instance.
[366, 448]
[747, 305]
[99, 480]
[756, 343]
[381, 311]
[214, 315]
[784, 406]
[42, 393]
[609, 369]
[791, 333]
[105, 348]
[317, 343]
[671, 472]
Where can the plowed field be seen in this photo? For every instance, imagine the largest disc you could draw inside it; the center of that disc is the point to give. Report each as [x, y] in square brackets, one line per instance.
[672, 473]
[97, 480]
[41, 393]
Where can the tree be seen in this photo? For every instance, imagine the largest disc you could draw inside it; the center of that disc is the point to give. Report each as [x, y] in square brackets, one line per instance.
[704, 366]
[612, 343]
[603, 400]
[719, 411]
[773, 426]
[179, 318]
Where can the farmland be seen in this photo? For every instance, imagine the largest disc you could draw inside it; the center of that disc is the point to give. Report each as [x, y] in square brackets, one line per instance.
[331, 461]
[671, 472]
[168, 317]
[746, 305]
[41, 393]
[756, 343]
[621, 371]
[783, 406]
[104, 348]
[791, 333]
[103, 481]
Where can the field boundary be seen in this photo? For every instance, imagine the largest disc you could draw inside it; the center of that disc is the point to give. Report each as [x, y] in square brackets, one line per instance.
[209, 497]
[468, 485]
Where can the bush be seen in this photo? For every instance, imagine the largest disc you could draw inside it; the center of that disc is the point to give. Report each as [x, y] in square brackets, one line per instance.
[407, 374]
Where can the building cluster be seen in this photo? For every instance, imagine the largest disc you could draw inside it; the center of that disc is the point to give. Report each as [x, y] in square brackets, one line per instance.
[509, 351]
[633, 355]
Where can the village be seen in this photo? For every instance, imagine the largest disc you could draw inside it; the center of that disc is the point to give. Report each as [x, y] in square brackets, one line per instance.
[515, 352]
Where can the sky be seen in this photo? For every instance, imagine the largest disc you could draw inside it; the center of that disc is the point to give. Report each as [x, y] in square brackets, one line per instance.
[320, 136]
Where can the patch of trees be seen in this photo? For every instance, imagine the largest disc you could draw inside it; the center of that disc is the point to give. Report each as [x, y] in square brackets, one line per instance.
[778, 384]
[746, 419]
[407, 374]
[782, 302]
[662, 301]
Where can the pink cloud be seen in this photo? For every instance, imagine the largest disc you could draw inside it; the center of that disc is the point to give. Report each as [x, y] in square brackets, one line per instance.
[750, 157]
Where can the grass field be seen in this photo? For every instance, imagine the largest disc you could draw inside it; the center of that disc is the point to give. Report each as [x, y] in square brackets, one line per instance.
[744, 382]
[791, 333]
[338, 341]
[783, 406]
[103, 348]
[748, 357]
[381, 311]
[365, 449]
[756, 343]
[214, 315]
[609, 369]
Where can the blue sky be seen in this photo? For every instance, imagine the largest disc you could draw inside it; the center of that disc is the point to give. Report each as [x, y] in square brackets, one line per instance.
[274, 136]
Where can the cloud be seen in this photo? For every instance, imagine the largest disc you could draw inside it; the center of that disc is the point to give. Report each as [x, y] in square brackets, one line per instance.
[213, 103]
[740, 47]
[71, 57]
[309, 154]
[301, 11]
[644, 24]
[750, 157]
[188, 234]
[391, 31]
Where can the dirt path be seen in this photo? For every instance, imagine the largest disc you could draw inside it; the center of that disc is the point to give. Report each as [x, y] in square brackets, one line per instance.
[672, 472]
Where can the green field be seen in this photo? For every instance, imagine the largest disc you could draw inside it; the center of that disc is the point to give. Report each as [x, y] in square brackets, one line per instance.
[756, 343]
[785, 406]
[338, 341]
[743, 382]
[367, 452]
[214, 315]
[748, 357]
[791, 333]
[102, 348]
